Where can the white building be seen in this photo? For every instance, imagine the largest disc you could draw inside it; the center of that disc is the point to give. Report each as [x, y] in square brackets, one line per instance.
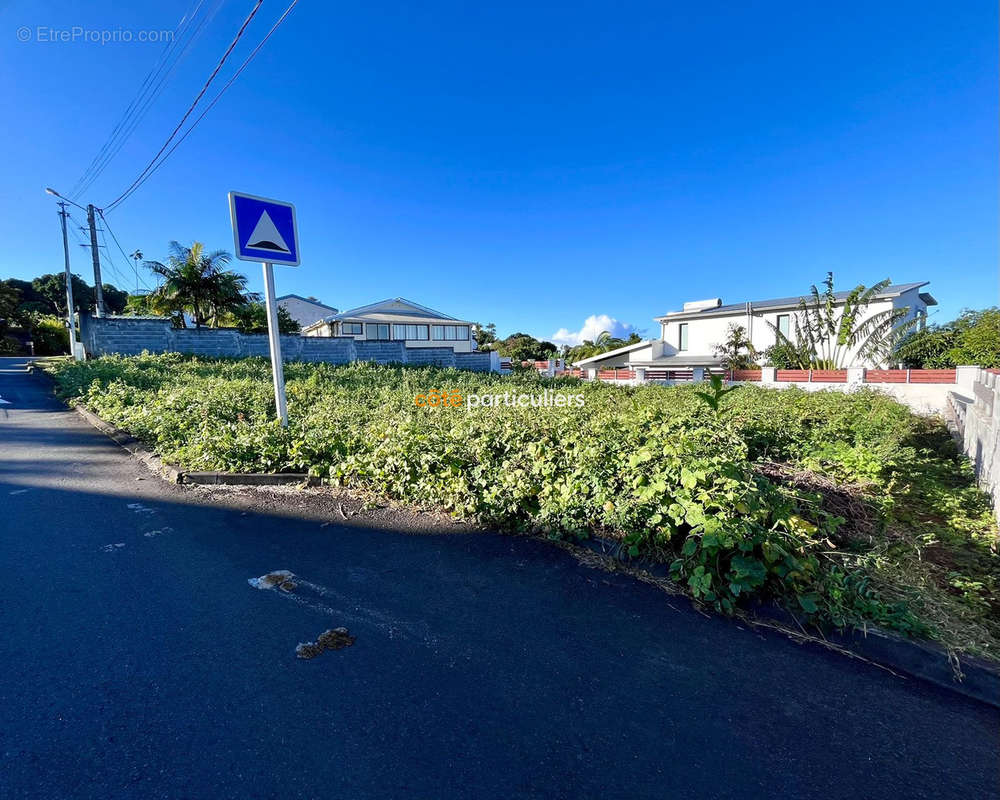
[688, 337]
[398, 319]
[305, 310]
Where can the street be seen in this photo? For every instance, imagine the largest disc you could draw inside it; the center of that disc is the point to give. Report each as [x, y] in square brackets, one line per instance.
[139, 662]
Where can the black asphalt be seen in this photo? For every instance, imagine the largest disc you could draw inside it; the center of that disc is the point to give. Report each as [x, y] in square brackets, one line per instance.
[485, 666]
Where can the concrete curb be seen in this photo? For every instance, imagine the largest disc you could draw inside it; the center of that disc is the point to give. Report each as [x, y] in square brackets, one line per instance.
[926, 661]
[968, 676]
[137, 449]
[250, 478]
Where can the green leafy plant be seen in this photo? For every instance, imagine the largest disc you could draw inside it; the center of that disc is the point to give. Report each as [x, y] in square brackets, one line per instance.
[719, 390]
[828, 329]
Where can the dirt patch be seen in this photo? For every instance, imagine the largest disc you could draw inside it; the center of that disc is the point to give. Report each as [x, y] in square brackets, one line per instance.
[330, 639]
[846, 500]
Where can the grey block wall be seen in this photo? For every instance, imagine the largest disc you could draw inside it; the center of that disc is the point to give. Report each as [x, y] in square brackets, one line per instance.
[133, 335]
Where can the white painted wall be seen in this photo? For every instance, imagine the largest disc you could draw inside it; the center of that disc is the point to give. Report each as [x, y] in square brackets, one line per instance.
[303, 311]
[707, 332]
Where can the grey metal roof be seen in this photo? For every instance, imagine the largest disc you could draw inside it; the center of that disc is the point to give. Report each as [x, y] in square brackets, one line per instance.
[784, 302]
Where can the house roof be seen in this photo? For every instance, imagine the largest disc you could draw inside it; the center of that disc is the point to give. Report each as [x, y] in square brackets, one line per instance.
[615, 352]
[894, 290]
[312, 300]
[411, 310]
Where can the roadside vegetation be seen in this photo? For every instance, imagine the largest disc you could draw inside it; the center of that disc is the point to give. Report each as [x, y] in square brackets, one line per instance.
[846, 508]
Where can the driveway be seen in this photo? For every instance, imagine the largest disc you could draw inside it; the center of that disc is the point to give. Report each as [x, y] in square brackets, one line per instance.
[139, 662]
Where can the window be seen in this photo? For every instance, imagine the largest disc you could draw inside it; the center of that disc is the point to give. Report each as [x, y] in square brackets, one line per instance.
[450, 333]
[378, 330]
[412, 332]
[784, 325]
[350, 328]
[682, 336]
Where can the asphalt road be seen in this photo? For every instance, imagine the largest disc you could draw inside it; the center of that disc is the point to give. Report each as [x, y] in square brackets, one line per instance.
[137, 661]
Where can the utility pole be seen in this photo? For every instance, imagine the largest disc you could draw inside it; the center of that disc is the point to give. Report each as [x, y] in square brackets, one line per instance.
[96, 255]
[69, 285]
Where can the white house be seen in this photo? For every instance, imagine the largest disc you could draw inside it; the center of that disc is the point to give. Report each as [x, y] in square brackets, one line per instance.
[305, 310]
[398, 319]
[688, 337]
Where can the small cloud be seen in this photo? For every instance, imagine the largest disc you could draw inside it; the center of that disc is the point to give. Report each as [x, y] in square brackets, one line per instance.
[592, 328]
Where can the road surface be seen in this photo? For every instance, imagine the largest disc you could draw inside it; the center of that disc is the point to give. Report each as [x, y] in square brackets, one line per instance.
[137, 661]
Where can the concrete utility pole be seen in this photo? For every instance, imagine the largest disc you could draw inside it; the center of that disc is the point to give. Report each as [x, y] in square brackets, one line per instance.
[69, 285]
[96, 256]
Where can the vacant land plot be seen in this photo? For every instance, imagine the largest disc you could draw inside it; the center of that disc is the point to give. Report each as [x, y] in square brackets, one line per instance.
[848, 509]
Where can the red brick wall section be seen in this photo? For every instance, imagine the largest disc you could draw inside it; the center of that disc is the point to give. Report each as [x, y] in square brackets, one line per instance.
[932, 375]
[792, 375]
[829, 375]
[885, 376]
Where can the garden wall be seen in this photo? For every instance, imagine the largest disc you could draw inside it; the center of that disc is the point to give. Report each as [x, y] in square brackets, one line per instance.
[977, 423]
[133, 335]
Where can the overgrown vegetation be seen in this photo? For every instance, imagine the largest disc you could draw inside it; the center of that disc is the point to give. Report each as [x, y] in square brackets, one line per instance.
[845, 508]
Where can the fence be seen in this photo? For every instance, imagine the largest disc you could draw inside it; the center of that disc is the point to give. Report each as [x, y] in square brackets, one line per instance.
[133, 335]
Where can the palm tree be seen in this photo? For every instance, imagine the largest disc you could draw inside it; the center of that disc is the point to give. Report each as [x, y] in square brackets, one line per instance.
[828, 329]
[199, 283]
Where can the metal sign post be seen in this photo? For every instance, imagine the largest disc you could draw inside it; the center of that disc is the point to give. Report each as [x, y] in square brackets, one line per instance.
[265, 231]
[274, 338]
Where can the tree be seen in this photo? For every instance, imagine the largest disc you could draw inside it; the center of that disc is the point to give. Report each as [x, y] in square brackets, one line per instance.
[971, 339]
[114, 298]
[486, 336]
[524, 347]
[828, 329]
[737, 351]
[199, 283]
[51, 289]
[252, 318]
[10, 299]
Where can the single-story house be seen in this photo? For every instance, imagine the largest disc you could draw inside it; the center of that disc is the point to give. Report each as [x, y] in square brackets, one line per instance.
[688, 337]
[398, 319]
[304, 310]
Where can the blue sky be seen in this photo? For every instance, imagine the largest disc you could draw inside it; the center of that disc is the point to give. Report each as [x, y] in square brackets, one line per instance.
[535, 165]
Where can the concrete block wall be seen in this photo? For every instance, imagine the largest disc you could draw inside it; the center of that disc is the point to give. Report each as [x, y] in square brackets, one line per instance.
[380, 352]
[976, 420]
[438, 356]
[476, 362]
[133, 335]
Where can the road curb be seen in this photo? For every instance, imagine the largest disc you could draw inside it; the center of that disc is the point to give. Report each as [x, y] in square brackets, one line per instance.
[927, 661]
[135, 448]
[969, 676]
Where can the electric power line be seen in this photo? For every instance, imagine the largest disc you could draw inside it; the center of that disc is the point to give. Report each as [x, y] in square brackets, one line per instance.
[128, 258]
[148, 92]
[142, 175]
[218, 96]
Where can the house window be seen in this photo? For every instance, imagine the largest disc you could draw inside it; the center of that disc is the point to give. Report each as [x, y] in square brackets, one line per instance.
[682, 336]
[450, 333]
[378, 330]
[784, 325]
[350, 328]
[411, 332]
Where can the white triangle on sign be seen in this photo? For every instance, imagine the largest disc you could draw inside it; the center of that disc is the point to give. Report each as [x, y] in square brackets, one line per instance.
[265, 236]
